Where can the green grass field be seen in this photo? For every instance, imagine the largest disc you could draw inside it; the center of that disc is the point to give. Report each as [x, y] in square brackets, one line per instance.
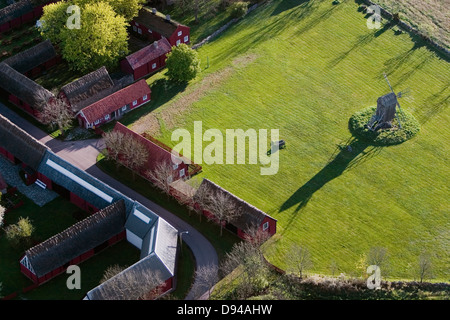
[304, 67]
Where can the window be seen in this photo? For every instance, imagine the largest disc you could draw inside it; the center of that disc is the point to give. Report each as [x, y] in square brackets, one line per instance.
[186, 39]
[96, 121]
[134, 28]
[144, 98]
[178, 42]
[175, 166]
[180, 33]
[149, 31]
[137, 24]
[107, 117]
[124, 108]
[154, 66]
[134, 103]
[182, 172]
[139, 30]
[265, 226]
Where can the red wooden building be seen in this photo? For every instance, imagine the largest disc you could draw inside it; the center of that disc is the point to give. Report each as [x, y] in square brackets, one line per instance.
[75, 244]
[115, 105]
[154, 25]
[147, 60]
[21, 12]
[157, 154]
[250, 216]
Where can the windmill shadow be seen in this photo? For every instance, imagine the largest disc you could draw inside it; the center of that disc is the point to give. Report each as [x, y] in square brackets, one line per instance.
[345, 157]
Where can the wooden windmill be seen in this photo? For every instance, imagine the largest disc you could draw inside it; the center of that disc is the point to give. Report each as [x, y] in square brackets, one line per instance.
[386, 110]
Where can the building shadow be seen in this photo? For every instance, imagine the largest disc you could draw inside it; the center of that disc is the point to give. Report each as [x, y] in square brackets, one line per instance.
[346, 156]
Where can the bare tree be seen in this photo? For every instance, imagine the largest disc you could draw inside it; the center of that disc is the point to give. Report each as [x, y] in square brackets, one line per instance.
[256, 235]
[135, 154]
[206, 277]
[125, 149]
[223, 208]
[379, 256]
[201, 199]
[424, 267]
[132, 284]
[162, 176]
[249, 259]
[114, 141]
[110, 272]
[300, 259]
[55, 112]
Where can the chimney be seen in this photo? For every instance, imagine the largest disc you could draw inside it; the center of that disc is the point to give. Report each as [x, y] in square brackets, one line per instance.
[168, 17]
[155, 44]
[154, 10]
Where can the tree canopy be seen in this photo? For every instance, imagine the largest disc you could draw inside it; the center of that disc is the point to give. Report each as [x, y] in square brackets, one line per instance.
[101, 38]
[182, 63]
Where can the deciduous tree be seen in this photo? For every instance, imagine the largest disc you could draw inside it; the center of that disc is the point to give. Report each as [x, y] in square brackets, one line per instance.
[182, 63]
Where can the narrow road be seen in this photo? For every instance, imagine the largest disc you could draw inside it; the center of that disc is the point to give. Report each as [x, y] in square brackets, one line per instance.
[83, 154]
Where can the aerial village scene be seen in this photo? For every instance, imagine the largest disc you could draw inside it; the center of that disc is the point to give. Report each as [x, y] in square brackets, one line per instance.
[224, 150]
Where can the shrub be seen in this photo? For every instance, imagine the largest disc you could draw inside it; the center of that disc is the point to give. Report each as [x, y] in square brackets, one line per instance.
[384, 137]
[20, 233]
[238, 9]
[182, 64]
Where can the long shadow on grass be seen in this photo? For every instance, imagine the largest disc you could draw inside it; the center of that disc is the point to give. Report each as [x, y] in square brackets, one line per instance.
[287, 5]
[346, 156]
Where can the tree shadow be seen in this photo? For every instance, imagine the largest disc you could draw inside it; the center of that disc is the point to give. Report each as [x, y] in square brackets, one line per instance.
[362, 41]
[345, 157]
[287, 5]
[434, 105]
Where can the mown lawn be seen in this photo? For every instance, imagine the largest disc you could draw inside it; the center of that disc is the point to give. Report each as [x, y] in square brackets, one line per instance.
[304, 67]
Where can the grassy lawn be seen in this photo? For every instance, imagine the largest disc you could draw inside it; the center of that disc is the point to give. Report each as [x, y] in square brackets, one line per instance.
[304, 67]
[48, 220]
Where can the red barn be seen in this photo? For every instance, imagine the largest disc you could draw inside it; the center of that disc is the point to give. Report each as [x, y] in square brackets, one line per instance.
[250, 215]
[22, 91]
[154, 26]
[157, 155]
[115, 105]
[75, 244]
[147, 60]
[21, 12]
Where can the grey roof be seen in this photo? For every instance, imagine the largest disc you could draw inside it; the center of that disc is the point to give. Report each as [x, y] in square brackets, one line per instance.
[32, 58]
[80, 182]
[135, 222]
[87, 87]
[22, 87]
[21, 144]
[108, 289]
[158, 256]
[251, 216]
[77, 239]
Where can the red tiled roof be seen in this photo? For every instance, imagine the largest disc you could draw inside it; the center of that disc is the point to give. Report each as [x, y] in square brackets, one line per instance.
[149, 53]
[116, 100]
